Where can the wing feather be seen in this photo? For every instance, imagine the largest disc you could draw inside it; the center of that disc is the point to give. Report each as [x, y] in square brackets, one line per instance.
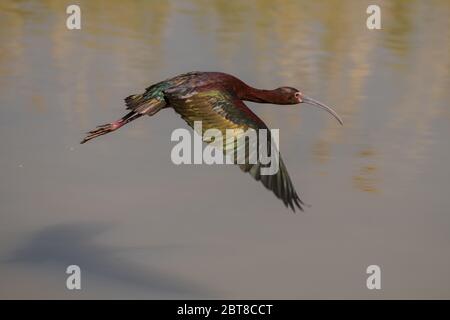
[217, 109]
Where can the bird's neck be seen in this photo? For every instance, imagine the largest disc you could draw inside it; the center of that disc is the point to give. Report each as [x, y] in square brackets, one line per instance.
[259, 95]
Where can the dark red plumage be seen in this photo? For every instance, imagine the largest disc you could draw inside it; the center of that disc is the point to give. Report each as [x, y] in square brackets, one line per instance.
[216, 99]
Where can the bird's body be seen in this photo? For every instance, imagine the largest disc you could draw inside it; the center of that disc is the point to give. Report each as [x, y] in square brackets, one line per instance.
[216, 99]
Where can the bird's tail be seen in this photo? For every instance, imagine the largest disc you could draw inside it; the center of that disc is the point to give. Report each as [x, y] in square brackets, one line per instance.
[110, 127]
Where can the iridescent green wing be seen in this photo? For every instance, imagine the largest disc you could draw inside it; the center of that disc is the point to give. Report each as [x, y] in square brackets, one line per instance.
[154, 95]
[217, 109]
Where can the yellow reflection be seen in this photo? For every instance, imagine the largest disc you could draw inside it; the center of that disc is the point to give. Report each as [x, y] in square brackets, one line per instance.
[365, 181]
[322, 47]
[367, 177]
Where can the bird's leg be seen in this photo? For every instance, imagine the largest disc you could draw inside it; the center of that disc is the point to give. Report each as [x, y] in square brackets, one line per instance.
[147, 108]
[110, 127]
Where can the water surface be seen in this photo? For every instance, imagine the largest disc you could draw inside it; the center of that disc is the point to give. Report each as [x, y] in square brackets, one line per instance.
[141, 227]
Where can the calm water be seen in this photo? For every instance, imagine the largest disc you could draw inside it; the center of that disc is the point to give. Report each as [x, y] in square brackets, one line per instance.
[141, 227]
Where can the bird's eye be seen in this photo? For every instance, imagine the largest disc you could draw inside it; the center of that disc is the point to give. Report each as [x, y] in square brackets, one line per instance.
[297, 94]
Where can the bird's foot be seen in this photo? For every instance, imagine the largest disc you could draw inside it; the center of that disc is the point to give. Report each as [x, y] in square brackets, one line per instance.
[101, 130]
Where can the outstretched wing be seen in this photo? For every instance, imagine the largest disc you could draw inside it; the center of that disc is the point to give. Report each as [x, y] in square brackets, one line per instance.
[217, 109]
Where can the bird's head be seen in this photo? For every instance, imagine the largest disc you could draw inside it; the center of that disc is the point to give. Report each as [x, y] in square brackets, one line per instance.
[289, 95]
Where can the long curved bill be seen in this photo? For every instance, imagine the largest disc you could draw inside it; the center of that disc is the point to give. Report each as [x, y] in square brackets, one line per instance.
[316, 103]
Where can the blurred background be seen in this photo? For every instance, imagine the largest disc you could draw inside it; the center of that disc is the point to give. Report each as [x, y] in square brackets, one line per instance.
[140, 227]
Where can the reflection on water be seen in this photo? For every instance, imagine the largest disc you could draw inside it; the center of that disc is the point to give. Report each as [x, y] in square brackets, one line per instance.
[366, 179]
[390, 86]
[62, 245]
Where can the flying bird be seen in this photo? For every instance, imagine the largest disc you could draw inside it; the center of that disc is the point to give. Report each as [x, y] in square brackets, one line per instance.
[217, 99]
